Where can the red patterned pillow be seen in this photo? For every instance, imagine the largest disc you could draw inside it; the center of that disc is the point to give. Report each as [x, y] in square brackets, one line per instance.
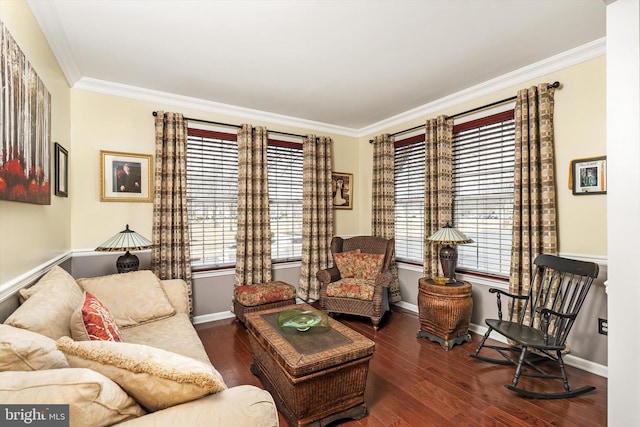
[92, 321]
[367, 266]
[344, 261]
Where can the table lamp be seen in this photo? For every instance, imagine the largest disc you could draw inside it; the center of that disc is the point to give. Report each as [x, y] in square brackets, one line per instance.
[126, 240]
[448, 236]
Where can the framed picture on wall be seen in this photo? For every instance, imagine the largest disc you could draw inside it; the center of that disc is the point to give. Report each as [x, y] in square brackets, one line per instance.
[342, 188]
[61, 161]
[589, 176]
[125, 177]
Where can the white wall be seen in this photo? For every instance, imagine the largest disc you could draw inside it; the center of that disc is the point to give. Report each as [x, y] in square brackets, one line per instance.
[623, 150]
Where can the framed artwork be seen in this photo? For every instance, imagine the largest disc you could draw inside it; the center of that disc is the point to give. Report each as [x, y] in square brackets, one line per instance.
[125, 177]
[342, 188]
[61, 161]
[25, 126]
[589, 176]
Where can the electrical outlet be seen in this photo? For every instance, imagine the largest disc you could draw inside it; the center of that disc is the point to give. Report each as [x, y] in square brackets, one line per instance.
[603, 326]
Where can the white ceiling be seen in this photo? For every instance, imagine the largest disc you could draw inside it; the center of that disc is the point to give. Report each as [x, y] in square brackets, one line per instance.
[349, 63]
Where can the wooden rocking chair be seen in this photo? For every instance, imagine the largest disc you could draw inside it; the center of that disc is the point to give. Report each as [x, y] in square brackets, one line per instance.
[539, 322]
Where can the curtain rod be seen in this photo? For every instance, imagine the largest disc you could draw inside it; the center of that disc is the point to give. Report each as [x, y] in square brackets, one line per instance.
[555, 84]
[155, 113]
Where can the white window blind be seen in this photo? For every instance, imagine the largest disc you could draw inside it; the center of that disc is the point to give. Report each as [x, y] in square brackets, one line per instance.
[212, 197]
[409, 183]
[483, 165]
[285, 199]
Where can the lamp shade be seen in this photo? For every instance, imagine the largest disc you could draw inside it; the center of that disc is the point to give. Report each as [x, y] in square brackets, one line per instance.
[126, 240]
[448, 235]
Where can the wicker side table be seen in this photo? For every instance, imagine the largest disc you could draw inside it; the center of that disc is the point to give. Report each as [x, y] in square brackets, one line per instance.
[445, 312]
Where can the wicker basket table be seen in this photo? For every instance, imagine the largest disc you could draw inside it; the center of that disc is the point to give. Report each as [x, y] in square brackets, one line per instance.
[315, 377]
[445, 312]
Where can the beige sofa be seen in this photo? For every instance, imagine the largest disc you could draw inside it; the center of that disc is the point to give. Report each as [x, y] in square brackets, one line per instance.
[159, 375]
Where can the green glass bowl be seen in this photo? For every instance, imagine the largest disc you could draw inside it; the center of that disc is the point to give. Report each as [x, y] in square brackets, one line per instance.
[302, 320]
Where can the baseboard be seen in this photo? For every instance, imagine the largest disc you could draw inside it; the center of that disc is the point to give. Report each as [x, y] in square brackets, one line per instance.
[576, 362]
[212, 317]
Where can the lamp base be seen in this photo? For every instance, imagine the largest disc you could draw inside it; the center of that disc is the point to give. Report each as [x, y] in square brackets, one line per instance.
[127, 262]
[449, 259]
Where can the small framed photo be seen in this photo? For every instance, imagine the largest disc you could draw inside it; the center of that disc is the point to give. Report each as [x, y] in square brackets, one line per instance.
[125, 177]
[61, 161]
[342, 189]
[589, 176]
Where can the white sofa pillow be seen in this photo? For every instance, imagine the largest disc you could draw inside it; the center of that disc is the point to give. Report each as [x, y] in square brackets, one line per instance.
[93, 399]
[156, 378]
[132, 298]
[23, 350]
[48, 310]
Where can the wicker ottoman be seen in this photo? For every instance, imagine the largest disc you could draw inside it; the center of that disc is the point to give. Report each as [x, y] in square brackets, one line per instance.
[262, 296]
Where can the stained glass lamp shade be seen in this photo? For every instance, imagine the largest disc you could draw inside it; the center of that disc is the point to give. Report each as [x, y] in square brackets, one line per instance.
[126, 240]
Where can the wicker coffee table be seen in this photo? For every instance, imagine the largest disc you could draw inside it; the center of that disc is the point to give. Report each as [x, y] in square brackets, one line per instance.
[316, 376]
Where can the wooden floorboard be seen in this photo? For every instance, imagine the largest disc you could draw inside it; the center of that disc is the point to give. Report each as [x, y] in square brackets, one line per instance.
[413, 382]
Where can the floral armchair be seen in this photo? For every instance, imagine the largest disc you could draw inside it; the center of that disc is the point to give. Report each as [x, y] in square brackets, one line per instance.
[358, 281]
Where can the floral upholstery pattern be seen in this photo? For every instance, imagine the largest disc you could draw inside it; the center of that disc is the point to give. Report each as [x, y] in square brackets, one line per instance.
[352, 288]
[344, 262]
[359, 265]
[263, 293]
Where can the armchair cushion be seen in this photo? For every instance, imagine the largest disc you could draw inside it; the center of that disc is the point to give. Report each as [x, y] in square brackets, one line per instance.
[352, 288]
[345, 261]
[367, 266]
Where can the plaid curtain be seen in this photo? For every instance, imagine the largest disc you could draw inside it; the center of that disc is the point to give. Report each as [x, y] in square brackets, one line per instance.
[253, 251]
[382, 206]
[317, 214]
[438, 204]
[170, 255]
[534, 202]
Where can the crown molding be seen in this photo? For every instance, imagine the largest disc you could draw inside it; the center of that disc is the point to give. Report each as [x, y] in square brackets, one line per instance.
[51, 26]
[554, 63]
[139, 93]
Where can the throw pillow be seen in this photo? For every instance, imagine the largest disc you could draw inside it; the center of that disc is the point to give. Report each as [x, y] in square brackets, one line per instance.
[133, 298]
[367, 266]
[155, 378]
[93, 399]
[344, 262]
[48, 310]
[23, 350]
[92, 321]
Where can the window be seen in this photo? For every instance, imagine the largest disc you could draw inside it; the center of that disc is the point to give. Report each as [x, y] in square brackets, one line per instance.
[212, 198]
[285, 199]
[483, 165]
[409, 161]
[482, 187]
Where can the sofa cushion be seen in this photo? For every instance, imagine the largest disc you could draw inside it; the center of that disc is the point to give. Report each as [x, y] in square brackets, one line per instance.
[93, 399]
[344, 261]
[23, 350]
[352, 288]
[133, 298]
[239, 406]
[177, 336]
[47, 310]
[156, 378]
[92, 321]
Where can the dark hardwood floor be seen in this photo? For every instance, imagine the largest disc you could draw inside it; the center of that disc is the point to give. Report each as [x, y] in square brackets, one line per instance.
[413, 382]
